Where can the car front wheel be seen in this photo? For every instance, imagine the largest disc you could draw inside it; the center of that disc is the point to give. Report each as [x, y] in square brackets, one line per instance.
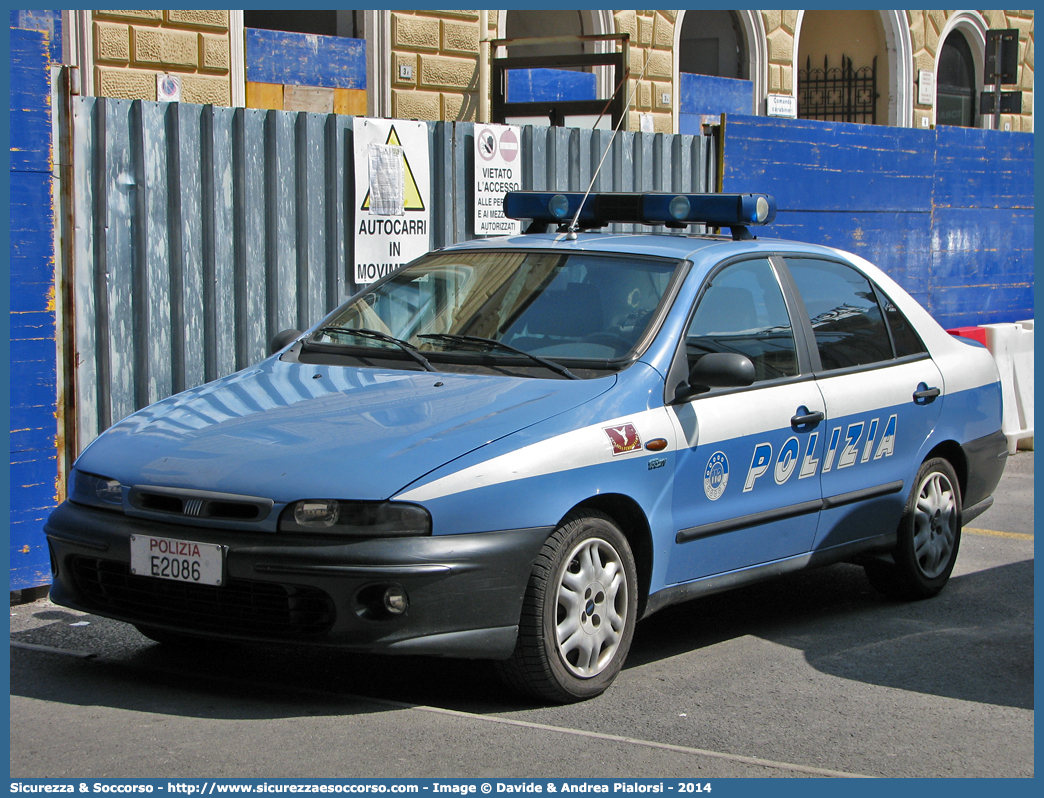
[579, 612]
[929, 536]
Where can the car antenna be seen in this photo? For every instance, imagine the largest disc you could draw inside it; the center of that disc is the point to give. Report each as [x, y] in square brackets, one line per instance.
[571, 234]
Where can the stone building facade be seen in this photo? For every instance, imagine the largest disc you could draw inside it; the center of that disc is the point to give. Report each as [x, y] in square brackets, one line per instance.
[131, 47]
[441, 51]
[929, 28]
[429, 64]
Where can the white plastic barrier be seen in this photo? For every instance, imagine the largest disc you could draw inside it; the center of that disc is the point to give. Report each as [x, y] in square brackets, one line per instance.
[1012, 348]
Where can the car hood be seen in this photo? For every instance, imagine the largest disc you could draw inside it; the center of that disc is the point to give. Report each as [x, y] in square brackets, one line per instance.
[287, 431]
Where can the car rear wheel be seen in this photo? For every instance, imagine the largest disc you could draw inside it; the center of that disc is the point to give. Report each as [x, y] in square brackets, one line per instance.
[579, 613]
[929, 536]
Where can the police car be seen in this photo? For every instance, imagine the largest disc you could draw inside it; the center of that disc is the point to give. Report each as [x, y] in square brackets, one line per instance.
[515, 448]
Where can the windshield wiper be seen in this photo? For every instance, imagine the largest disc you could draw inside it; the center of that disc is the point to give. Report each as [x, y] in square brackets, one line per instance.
[377, 335]
[490, 343]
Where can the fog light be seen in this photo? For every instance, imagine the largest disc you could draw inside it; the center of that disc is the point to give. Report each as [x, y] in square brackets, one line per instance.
[395, 601]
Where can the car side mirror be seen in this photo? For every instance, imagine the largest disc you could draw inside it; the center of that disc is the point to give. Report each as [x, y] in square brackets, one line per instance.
[716, 370]
[281, 339]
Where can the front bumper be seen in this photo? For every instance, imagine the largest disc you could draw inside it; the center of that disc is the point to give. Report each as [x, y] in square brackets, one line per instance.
[465, 591]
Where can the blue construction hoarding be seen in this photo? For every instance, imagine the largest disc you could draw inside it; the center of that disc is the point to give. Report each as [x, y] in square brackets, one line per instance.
[550, 85]
[35, 45]
[707, 94]
[948, 213]
[328, 61]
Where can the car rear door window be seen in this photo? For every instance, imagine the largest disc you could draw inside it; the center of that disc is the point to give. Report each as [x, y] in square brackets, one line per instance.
[842, 306]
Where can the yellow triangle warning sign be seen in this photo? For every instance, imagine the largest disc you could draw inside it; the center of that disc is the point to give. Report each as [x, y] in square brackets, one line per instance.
[412, 195]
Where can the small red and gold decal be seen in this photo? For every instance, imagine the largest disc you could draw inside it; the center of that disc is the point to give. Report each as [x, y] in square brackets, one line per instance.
[624, 438]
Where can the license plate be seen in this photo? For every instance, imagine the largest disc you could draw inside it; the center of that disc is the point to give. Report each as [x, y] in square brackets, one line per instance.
[179, 560]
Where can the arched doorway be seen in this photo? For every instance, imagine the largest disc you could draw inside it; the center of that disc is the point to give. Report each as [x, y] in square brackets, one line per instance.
[964, 66]
[841, 67]
[552, 81]
[521, 24]
[720, 65]
[956, 84]
[862, 36]
[713, 43]
[535, 24]
[327, 22]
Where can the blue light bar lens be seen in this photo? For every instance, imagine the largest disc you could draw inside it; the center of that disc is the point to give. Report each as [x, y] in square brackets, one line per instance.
[756, 208]
[547, 206]
[559, 206]
[680, 208]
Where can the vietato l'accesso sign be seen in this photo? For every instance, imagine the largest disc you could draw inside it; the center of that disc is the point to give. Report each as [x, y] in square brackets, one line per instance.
[497, 171]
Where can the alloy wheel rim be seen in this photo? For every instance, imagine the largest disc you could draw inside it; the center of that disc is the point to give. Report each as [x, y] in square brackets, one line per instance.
[935, 525]
[591, 608]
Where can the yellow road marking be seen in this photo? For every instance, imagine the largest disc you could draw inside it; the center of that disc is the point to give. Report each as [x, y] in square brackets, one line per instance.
[995, 534]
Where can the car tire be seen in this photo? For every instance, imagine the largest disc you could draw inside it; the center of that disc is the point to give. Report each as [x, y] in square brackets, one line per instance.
[928, 537]
[578, 614]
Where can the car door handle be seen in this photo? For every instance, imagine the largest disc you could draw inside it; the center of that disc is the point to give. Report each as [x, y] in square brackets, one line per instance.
[805, 419]
[925, 395]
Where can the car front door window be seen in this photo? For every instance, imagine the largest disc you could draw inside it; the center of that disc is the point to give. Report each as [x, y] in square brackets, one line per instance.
[742, 310]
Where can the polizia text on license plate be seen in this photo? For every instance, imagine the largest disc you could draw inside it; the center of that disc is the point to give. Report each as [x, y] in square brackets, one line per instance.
[179, 560]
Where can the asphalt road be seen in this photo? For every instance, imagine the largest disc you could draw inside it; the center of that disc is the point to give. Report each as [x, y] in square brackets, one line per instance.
[811, 675]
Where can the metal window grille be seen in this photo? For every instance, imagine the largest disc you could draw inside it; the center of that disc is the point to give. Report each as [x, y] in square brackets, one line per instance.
[838, 94]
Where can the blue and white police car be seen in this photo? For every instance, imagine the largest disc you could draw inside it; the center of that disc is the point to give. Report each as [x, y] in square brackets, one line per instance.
[515, 448]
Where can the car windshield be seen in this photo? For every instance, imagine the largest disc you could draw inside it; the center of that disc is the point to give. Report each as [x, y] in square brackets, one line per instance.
[538, 305]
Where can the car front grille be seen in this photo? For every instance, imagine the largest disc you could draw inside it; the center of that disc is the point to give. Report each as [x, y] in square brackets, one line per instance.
[241, 606]
[200, 504]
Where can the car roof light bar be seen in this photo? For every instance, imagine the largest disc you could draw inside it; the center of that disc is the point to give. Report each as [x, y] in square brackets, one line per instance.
[735, 211]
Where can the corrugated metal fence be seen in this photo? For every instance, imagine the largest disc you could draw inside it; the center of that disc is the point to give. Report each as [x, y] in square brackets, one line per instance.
[199, 232]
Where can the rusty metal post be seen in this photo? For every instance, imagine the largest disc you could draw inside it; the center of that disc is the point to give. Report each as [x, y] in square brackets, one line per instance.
[65, 288]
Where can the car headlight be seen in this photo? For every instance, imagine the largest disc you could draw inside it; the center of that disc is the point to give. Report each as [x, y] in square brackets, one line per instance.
[95, 491]
[365, 519]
